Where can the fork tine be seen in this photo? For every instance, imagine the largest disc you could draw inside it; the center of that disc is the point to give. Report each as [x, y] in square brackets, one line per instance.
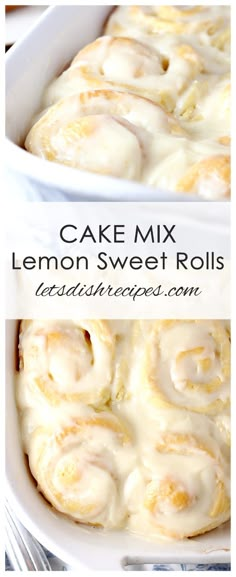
[24, 552]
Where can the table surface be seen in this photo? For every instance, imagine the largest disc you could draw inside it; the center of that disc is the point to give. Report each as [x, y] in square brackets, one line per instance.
[19, 21]
[58, 565]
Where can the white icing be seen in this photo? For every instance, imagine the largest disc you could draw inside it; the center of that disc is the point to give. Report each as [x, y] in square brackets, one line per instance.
[105, 463]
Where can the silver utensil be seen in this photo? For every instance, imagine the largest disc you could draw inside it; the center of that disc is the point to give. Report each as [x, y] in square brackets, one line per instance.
[24, 552]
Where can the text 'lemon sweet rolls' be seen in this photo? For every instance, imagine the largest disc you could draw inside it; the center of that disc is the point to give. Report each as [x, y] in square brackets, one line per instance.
[187, 364]
[65, 361]
[80, 464]
[183, 489]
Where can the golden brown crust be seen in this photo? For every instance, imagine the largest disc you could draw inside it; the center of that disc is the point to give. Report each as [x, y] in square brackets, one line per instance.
[216, 167]
[10, 8]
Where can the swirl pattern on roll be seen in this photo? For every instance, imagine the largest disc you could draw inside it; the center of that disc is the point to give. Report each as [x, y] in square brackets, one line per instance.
[66, 361]
[183, 487]
[126, 64]
[187, 364]
[90, 121]
[159, 61]
[126, 423]
[78, 467]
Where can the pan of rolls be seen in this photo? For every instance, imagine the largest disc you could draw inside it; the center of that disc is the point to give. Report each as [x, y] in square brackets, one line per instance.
[125, 424]
[146, 100]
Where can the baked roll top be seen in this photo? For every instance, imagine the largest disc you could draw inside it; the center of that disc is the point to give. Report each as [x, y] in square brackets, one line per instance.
[187, 364]
[80, 465]
[65, 361]
[128, 65]
[182, 489]
[146, 142]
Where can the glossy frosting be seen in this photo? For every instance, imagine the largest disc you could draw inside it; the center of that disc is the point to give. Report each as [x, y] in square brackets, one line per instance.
[153, 62]
[126, 423]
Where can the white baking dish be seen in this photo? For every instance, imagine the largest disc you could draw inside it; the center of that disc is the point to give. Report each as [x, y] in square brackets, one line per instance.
[30, 65]
[79, 547]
